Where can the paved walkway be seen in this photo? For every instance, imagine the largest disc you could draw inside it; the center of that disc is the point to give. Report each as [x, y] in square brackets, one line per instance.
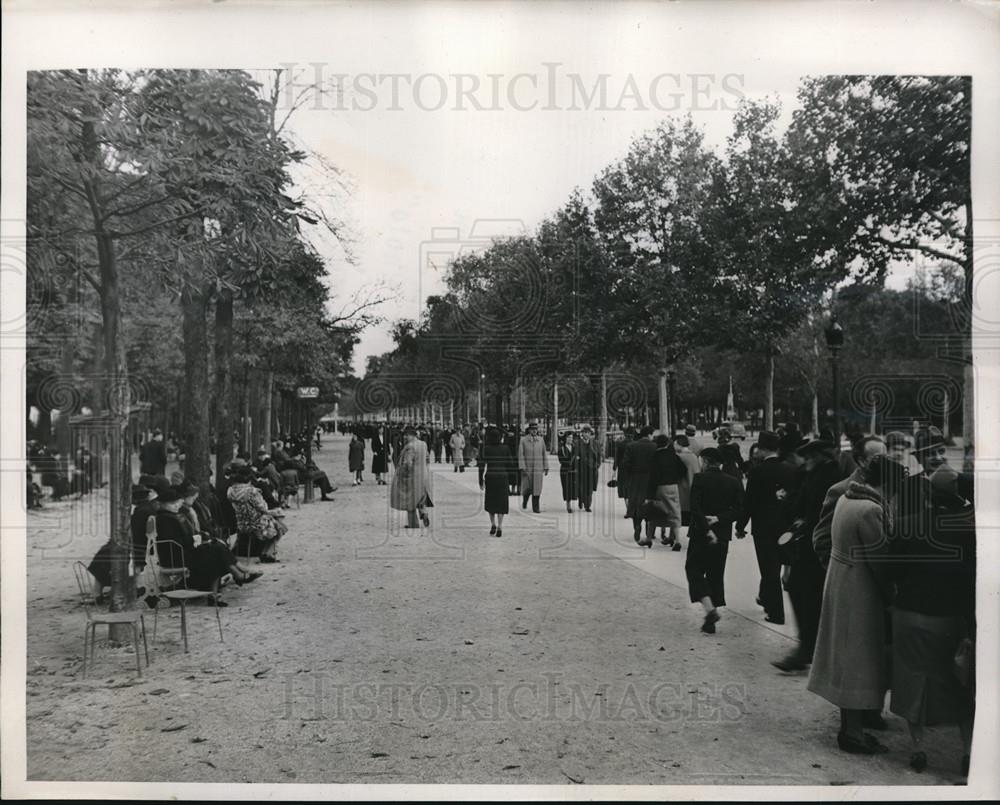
[558, 654]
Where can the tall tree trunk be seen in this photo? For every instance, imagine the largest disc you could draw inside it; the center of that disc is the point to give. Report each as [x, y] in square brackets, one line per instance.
[119, 400]
[602, 428]
[662, 398]
[814, 413]
[266, 431]
[769, 392]
[224, 415]
[194, 307]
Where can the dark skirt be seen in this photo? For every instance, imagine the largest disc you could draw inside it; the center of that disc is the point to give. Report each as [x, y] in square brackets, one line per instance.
[925, 689]
[497, 501]
[568, 480]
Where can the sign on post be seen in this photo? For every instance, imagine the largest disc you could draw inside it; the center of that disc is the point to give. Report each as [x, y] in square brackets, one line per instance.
[307, 392]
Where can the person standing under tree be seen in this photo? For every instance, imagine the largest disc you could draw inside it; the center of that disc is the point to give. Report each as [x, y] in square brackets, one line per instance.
[494, 465]
[533, 462]
[587, 463]
[410, 491]
[356, 457]
[567, 470]
[716, 502]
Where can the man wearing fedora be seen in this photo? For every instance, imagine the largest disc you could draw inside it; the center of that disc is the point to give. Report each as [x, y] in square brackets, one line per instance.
[770, 486]
[587, 463]
[806, 573]
[533, 462]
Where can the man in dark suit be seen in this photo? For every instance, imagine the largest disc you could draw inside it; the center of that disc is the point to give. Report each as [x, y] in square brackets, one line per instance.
[587, 464]
[153, 455]
[770, 486]
[637, 464]
[716, 502]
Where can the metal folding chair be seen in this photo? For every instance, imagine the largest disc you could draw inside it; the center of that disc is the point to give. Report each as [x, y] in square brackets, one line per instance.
[94, 619]
[171, 584]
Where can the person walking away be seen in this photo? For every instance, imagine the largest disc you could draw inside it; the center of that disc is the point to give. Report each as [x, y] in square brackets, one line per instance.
[533, 462]
[849, 667]
[716, 502]
[356, 457]
[766, 507]
[458, 450]
[663, 499]
[805, 574]
[682, 446]
[153, 455]
[933, 617]
[621, 477]
[732, 456]
[695, 446]
[588, 464]
[567, 470]
[494, 466]
[380, 454]
[410, 491]
[637, 463]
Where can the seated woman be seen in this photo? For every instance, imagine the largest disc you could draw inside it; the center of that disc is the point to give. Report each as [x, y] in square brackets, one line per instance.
[207, 562]
[253, 521]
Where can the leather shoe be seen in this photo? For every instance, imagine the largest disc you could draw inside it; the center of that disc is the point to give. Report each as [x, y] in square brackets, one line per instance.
[873, 721]
[775, 621]
[712, 618]
[791, 663]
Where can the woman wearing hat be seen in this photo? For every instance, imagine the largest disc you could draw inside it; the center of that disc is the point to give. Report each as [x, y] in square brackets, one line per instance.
[356, 457]
[849, 662]
[663, 497]
[567, 469]
[207, 562]
[410, 491]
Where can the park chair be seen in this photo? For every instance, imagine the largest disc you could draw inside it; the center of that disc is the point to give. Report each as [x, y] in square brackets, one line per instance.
[94, 619]
[170, 584]
[290, 486]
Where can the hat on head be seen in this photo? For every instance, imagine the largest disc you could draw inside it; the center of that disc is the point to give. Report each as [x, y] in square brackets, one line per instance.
[690, 430]
[791, 442]
[661, 440]
[186, 488]
[711, 454]
[682, 441]
[141, 493]
[896, 439]
[928, 439]
[816, 446]
[768, 440]
[169, 495]
[159, 483]
[586, 429]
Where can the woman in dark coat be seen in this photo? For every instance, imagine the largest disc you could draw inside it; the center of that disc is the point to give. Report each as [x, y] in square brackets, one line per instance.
[356, 457]
[663, 494]
[567, 470]
[495, 461]
[380, 456]
[621, 477]
[934, 615]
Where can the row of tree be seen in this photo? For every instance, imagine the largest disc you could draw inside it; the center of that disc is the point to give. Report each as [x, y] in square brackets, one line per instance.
[715, 264]
[168, 263]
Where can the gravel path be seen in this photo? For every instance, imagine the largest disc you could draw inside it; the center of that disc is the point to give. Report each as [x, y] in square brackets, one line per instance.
[375, 654]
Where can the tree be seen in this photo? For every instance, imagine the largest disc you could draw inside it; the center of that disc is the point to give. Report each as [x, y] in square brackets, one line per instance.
[882, 174]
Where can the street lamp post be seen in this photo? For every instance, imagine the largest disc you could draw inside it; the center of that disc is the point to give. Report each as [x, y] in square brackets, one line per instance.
[479, 413]
[834, 341]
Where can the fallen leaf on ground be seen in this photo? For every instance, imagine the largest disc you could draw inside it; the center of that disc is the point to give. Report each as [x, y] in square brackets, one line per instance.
[173, 728]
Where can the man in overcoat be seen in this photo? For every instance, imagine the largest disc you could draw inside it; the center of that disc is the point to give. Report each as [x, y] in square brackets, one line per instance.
[587, 463]
[770, 486]
[637, 464]
[533, 462]
[153, 455]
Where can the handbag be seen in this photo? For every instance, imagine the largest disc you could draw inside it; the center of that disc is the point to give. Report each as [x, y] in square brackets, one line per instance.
[612, 483]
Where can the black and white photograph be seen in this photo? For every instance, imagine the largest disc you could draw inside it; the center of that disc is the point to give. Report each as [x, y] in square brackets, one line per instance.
[500, 400]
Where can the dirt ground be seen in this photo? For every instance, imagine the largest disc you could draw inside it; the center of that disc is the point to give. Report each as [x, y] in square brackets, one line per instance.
[377, 654]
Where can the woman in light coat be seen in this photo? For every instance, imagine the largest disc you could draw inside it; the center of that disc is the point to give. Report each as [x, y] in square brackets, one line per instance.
[849, 667]
[457, 444]
[410, 490]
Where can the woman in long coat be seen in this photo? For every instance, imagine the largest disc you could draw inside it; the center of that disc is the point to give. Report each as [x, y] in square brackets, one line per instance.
[380, 456]
[410, 491]
[494, 464]
[356, 457]
[533, 461]
[567, 470]
[457, 443]
[849, 667]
